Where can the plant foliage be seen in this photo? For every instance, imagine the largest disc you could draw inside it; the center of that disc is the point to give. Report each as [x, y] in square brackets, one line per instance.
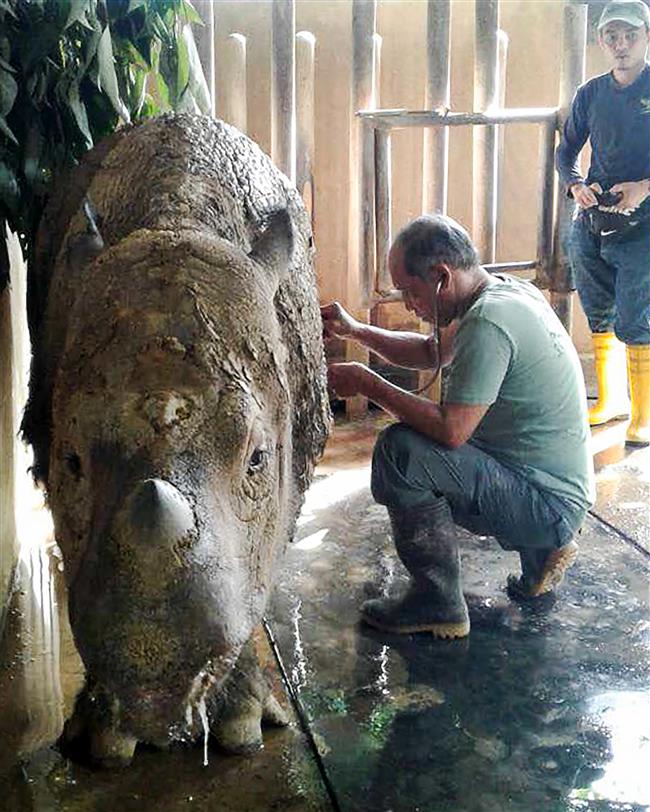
[71, 72]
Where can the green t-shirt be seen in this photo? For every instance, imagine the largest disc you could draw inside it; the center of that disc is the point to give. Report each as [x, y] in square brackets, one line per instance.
[512, 352]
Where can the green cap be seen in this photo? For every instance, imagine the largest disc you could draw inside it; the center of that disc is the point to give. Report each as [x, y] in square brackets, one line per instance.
[634, 12]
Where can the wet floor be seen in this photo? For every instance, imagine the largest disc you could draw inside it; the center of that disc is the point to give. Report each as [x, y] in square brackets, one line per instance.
[540, 709]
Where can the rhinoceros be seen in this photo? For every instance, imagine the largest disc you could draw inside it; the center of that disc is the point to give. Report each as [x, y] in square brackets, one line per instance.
[178, 404]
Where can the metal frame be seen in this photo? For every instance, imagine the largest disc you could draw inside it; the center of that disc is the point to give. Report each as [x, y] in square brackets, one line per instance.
[375, 222]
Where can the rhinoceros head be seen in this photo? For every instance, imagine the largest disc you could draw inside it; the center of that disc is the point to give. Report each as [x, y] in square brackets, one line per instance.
[171, 468]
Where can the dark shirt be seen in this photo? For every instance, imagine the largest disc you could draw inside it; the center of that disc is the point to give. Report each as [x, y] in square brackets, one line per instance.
[616, 120]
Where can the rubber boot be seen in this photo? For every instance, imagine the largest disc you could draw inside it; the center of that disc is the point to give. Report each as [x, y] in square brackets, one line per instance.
[541, 571]
[427, 545]
[638, 365]
[612, 403]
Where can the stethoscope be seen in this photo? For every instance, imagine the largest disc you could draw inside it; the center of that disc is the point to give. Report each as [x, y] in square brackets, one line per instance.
[435, 332]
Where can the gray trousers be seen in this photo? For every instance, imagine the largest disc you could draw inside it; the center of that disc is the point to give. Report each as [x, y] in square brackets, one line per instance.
[409, 471]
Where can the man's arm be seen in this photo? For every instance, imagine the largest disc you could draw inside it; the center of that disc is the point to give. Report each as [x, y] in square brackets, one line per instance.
[451, 424]
[410, 350]
[574, 136]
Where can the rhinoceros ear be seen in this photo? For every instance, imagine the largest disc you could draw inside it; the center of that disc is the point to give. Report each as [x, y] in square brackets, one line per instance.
[274, 247]
[84, 247]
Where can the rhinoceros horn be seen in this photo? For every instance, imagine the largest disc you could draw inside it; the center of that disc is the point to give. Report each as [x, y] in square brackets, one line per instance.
[160, 513]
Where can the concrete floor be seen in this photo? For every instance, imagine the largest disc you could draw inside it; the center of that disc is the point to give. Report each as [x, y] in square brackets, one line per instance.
[540, 709]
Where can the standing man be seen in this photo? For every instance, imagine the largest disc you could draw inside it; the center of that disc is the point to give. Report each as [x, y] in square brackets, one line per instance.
[610, 250]
[506, 455]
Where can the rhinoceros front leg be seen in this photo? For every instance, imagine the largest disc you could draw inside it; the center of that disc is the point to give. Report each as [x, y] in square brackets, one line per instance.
[93, 731]
[245, 702]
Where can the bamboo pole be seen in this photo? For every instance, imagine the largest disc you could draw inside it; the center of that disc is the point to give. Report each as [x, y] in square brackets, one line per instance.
[485, 155]
[383, 209]
[235, 109]
[545, 218]
[502, 78]
[572, 74]
[396, 119]
[282, 86]
[437, 97]
[363, 93]
[305, 140]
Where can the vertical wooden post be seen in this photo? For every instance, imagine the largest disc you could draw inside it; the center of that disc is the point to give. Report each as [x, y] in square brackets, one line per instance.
[282, 86]
[361, 219]
[235, 109]
[545, 219]
[305, 141]
[204, 37]
[502, 76]
[574, 45]
[383, 207]
[485, 174]
[436, 139]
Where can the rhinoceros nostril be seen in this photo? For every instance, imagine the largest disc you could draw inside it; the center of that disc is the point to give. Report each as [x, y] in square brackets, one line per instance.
[160, 508]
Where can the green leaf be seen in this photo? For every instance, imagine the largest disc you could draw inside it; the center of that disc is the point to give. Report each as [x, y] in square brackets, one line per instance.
[80, 115]
[6, 7]
[163, 92]
[77, 13]
[4, 64]
[8, 91]
[197, 85]
[160, 29]
[134, 56]
[134, 4]
[150, 108]
[191, 14]
[90, 50]
[5, 48]
[4, 128]
[183, 63]
[107, 76]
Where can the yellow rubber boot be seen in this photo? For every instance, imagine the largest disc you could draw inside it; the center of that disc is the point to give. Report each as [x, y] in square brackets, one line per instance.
[611, 374]
[638, 364]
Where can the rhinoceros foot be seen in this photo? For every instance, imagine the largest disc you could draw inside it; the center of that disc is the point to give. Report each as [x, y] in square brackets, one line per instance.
[244, 704]
[98, 734]
[92, 734]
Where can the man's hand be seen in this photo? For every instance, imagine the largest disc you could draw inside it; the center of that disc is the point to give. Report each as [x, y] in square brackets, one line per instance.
[633, 194]
[346, 379]
[584, 195]
[337, 321]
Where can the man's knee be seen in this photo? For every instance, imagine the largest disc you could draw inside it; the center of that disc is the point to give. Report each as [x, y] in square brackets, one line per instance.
[404, 466]
[390, 463]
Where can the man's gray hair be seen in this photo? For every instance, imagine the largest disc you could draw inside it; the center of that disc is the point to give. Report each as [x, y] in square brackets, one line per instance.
[435, 239]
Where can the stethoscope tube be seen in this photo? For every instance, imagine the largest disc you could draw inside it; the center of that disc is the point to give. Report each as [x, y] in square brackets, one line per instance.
[435, 331]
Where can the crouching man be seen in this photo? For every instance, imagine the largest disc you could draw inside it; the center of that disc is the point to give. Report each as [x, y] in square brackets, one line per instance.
[507, 453]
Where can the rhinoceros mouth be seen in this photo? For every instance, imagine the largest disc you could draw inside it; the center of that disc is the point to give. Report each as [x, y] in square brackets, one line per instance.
[160, 715]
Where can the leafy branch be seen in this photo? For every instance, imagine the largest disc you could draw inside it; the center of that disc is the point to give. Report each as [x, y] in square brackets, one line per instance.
[71, 72]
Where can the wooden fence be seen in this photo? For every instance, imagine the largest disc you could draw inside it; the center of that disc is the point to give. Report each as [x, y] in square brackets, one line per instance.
[289, 85]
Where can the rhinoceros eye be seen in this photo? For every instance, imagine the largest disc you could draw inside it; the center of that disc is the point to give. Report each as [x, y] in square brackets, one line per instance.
[257, 460]
[73, 464]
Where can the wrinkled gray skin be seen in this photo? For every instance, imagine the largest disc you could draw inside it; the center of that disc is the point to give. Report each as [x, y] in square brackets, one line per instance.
[178, 404]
